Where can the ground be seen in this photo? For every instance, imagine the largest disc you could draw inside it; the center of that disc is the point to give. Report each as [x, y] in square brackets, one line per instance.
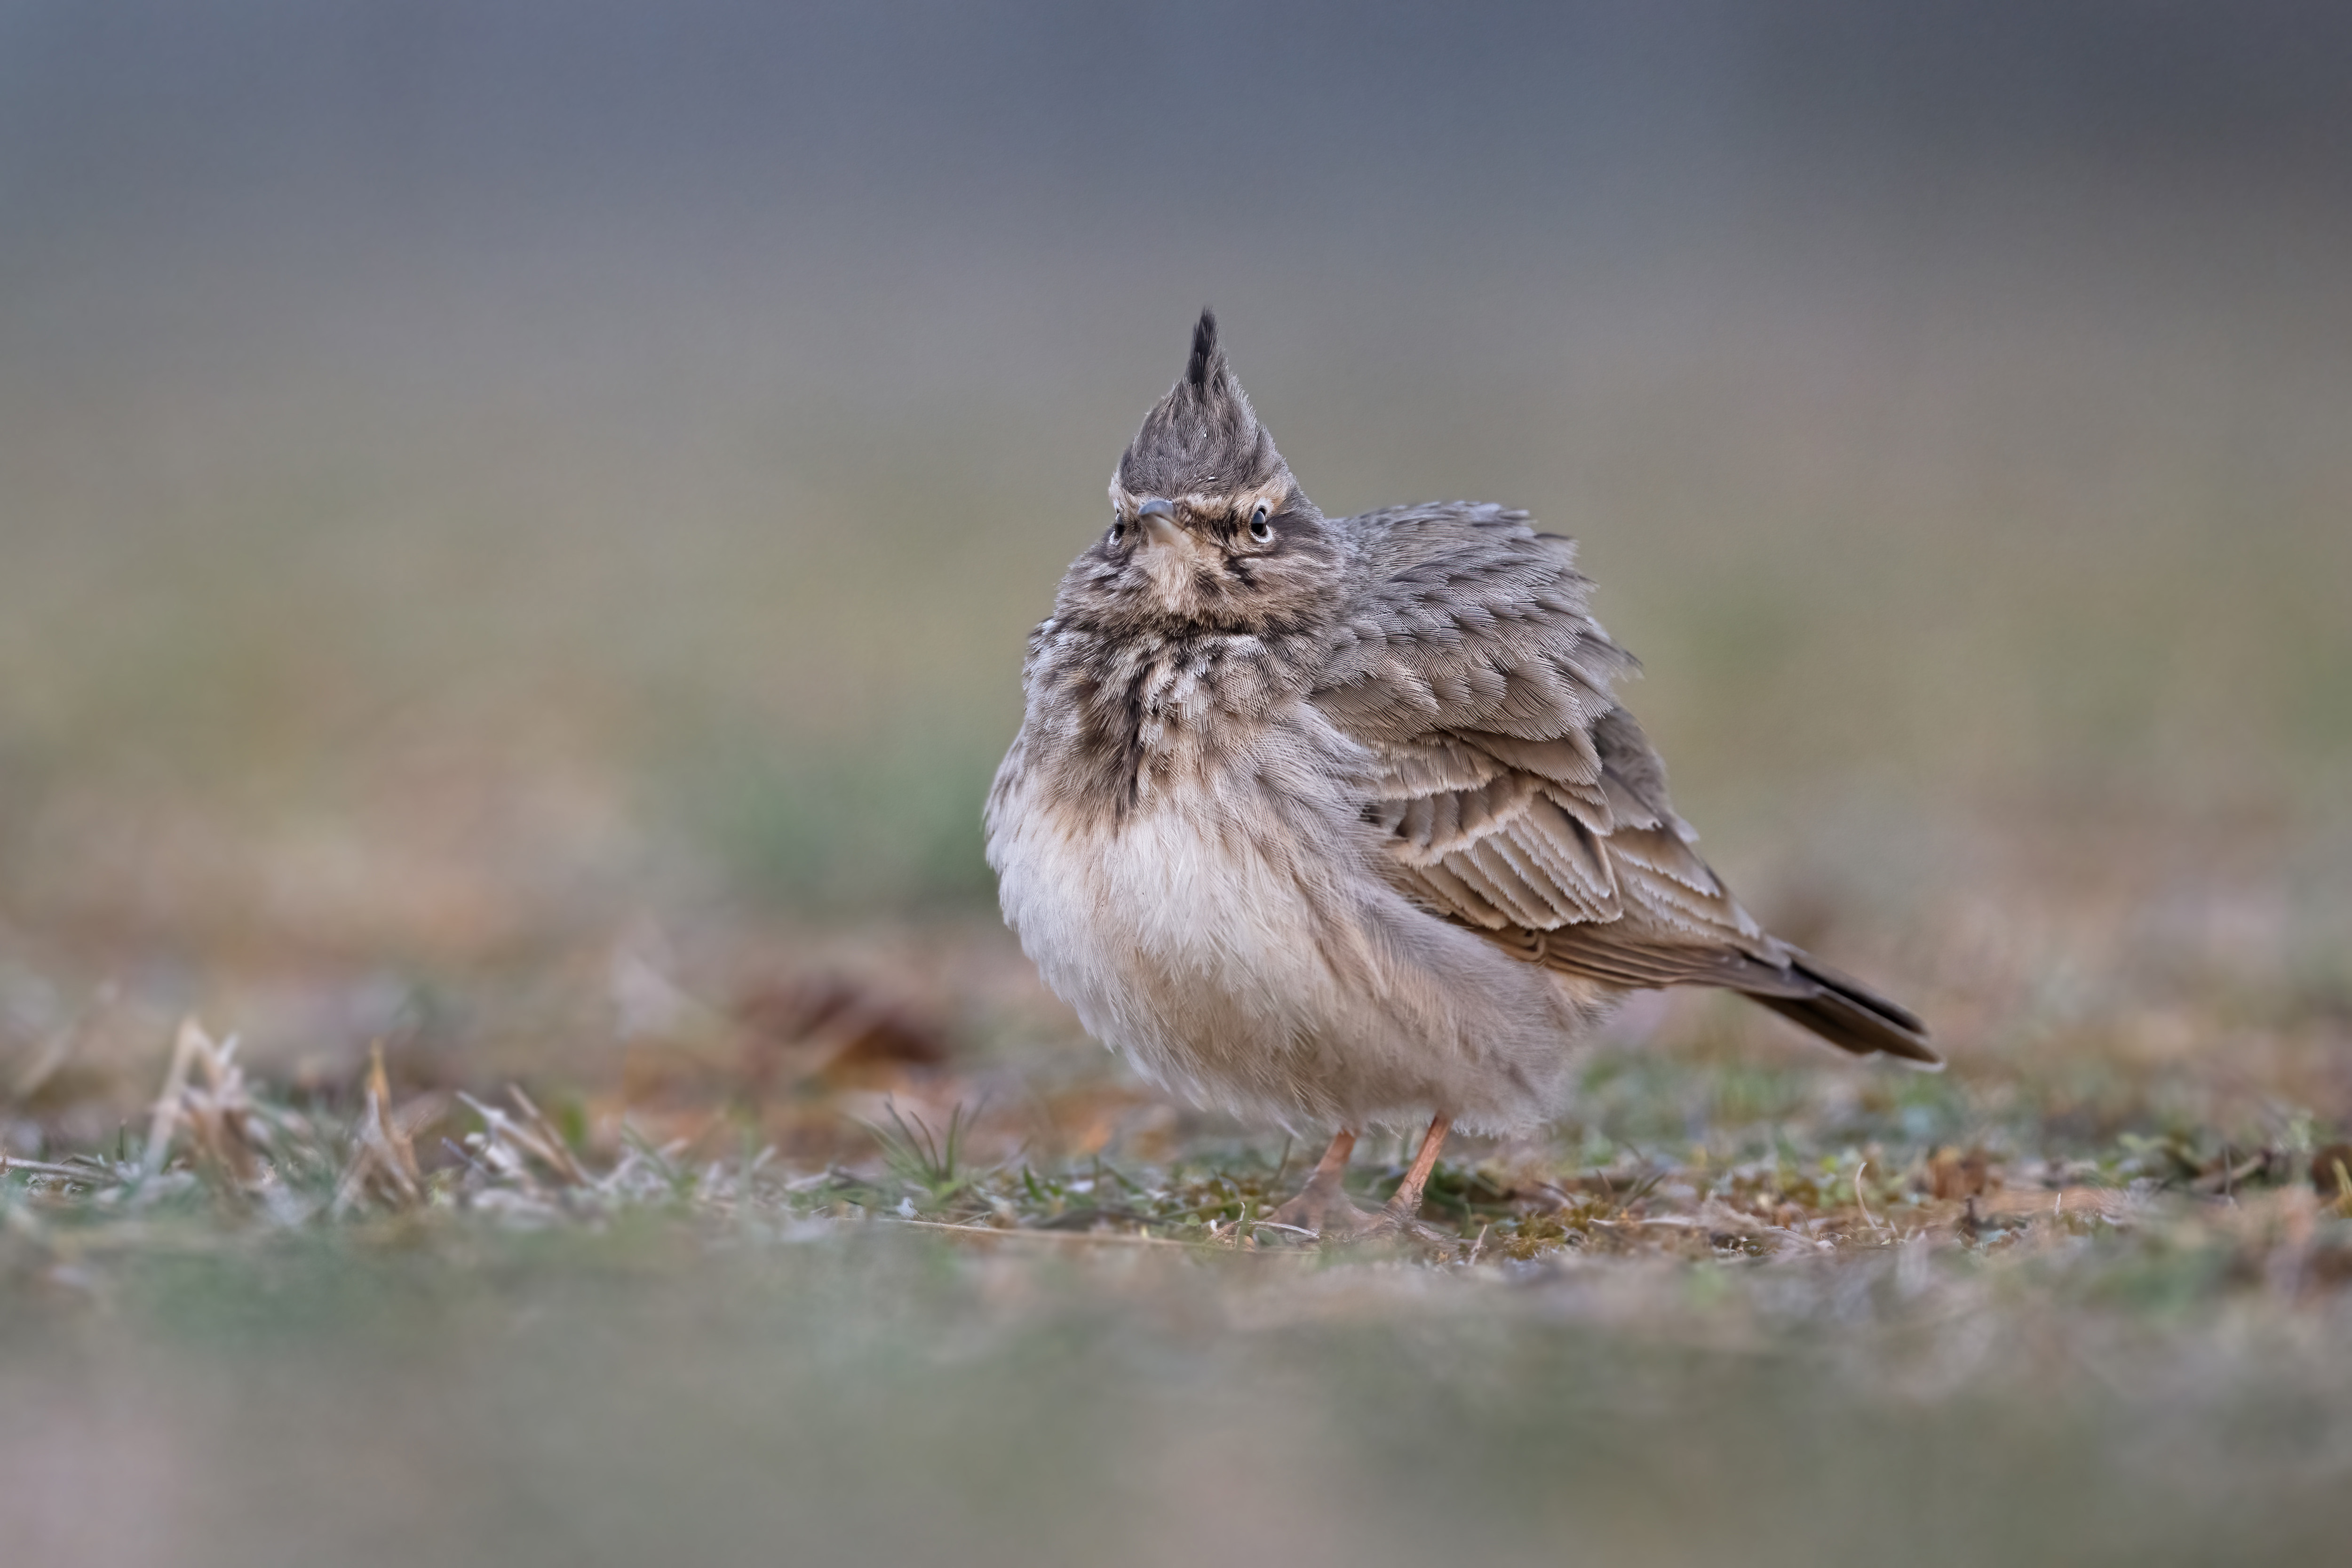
[908, 1272]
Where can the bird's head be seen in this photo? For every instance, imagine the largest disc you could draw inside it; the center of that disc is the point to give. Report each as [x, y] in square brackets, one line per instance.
[1207, 526]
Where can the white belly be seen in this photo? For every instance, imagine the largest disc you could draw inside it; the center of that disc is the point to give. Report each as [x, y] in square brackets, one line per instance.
[1163, 926]
[1272, 976]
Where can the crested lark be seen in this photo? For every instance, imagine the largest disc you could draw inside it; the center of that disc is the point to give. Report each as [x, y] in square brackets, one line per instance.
[1335, 822]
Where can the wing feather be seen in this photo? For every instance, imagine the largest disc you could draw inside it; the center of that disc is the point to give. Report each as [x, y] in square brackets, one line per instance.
[1520, 799]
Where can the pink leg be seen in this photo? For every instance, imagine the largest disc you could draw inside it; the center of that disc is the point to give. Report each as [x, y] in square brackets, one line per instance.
[1406, 1205]
[1322, 1204]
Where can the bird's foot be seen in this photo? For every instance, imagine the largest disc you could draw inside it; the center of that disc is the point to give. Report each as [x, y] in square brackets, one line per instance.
[1329, 1218]
[1395, 1223]
[1323, 1212]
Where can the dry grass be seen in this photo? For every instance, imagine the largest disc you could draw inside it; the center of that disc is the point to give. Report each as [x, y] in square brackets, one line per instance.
[1766, 1309]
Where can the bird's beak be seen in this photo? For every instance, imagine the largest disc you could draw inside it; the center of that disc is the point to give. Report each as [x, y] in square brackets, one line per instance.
[1158, 521]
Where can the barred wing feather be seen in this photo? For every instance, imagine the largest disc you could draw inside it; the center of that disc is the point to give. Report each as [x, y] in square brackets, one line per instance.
[1516, 795]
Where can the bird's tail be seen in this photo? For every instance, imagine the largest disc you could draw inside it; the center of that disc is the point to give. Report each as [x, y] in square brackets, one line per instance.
[1848, 1014]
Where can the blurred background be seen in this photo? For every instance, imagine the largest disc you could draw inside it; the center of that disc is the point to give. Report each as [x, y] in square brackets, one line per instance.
[518, 522]
[510, 504]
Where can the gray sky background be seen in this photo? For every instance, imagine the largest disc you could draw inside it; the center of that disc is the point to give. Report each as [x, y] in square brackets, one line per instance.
[984, 191]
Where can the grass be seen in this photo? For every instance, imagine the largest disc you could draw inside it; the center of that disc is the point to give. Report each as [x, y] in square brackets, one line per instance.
[439, 1326]
[741, 1228]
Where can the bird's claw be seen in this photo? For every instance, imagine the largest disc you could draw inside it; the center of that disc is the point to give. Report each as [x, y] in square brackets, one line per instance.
[1331, 1220]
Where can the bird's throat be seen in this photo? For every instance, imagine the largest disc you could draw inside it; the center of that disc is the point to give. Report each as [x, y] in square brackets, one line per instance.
[1179, 567]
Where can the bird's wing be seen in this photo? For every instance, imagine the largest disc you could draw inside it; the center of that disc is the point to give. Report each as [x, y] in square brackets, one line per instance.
[1517, 797]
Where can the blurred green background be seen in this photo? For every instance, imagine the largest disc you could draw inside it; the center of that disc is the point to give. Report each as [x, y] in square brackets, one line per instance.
[457, 459]
[518, 523]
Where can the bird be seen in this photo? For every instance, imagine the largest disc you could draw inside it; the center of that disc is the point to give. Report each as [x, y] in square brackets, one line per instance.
[1337, 822]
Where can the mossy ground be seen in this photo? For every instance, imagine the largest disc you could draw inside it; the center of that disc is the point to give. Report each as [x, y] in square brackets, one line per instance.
[1779, 1310]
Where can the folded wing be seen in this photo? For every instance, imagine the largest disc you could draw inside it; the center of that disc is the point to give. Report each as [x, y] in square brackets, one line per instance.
[1518, 798]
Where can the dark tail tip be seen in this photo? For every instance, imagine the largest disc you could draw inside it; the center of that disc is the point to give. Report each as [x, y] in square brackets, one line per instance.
[1852, 1017]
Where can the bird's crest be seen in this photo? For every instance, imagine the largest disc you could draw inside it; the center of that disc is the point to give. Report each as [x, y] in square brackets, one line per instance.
[1208, 361]
[1202, 437]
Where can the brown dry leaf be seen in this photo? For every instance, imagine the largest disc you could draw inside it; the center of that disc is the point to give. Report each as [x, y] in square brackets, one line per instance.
[782, 1037]
[1953, 1174]
[831, 1029]
[2331, 1175]
[2104, 1203]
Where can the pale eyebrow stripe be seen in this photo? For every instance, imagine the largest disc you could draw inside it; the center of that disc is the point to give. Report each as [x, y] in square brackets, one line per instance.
[1127, 501]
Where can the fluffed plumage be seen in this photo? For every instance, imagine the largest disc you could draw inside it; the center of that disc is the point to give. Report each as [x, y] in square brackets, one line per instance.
[1339, 820]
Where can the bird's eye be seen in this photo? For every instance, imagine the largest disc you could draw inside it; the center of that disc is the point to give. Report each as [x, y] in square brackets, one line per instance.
[1259, 528]
[1117, 528]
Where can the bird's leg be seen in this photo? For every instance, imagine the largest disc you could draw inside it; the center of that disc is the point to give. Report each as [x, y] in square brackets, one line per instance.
[1405, 1207]
[1322, 1204]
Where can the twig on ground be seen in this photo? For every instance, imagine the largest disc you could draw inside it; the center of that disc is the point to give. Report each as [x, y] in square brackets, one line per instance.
[165, 1118]
[10, 1165]
[1095, 1238]
[1293, 1229]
